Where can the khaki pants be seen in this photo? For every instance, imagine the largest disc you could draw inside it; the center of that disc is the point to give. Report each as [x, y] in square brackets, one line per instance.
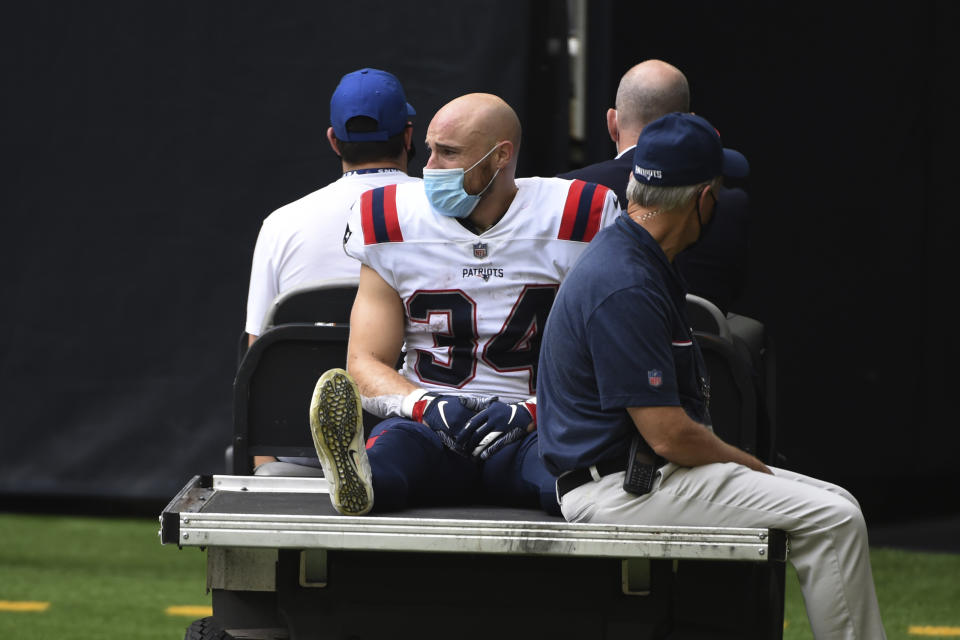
[828, 536]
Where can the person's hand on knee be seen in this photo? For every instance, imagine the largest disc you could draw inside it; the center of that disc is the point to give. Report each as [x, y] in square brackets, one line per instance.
[445, 414]
[496, 426]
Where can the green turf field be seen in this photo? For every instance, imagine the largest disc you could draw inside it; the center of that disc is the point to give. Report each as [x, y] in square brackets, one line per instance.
[102, 578]
[70, 578]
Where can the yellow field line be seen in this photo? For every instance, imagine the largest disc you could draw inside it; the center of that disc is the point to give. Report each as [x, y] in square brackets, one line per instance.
[190, 611]
[23, 605]
[941, 632]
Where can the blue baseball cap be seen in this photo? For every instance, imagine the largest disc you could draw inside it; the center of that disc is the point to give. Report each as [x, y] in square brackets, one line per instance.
[681, 149]
[372, 93]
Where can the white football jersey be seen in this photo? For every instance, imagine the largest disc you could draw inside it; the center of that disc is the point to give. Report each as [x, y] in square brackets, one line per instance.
[476, 304]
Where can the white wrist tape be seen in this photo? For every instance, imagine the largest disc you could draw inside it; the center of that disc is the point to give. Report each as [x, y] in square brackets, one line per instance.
[384, 406]
[406, 406]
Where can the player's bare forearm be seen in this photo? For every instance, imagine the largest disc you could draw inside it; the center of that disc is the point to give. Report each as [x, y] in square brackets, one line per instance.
[673, 435]
[376, 378]
[376, 337]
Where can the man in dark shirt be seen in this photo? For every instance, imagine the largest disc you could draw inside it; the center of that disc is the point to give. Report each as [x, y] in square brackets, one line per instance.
[716, 268]
[618, 364]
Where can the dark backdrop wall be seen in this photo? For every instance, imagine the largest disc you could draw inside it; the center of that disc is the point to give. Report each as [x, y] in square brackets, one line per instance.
[145, 142]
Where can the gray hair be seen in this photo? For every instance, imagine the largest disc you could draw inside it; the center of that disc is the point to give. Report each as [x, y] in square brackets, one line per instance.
[666, 198]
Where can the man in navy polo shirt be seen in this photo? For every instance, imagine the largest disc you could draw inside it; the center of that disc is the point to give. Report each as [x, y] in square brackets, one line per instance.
[619, 365]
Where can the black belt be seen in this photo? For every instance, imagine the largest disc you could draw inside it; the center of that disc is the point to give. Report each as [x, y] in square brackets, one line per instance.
[570, 481]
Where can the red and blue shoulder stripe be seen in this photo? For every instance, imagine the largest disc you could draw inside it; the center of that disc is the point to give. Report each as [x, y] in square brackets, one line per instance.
[378, 215]
[582, 211]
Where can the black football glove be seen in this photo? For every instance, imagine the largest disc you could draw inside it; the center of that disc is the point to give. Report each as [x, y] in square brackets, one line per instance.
[446, 415]
[497, 426]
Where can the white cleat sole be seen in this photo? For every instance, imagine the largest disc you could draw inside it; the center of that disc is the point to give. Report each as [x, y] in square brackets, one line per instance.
[336, 423]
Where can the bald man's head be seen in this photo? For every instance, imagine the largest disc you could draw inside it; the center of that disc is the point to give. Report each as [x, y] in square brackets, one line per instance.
[479, 133]
[480, 116]
[467, 127]
[648, 91]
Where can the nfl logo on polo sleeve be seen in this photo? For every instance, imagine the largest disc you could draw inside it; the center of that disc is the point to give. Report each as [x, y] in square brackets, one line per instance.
[655, 377]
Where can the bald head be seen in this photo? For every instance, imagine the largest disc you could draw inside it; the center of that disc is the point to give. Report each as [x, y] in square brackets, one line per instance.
[481, 119]
[648, 91]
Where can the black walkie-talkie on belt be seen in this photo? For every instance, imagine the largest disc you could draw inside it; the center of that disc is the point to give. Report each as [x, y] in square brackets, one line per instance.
[642, 467]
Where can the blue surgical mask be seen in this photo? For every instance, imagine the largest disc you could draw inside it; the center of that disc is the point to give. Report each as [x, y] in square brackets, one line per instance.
[445, 190]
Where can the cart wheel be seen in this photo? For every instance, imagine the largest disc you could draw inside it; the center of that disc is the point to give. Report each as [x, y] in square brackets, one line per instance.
[206, 629]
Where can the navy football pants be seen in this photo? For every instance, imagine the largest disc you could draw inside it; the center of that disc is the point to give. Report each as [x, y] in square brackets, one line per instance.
[411, 467]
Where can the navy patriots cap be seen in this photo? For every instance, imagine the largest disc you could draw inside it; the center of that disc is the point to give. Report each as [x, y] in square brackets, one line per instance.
[372, 93]
[682, 149]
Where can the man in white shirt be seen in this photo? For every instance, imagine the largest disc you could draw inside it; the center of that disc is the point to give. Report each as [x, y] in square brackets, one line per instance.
[303, 241]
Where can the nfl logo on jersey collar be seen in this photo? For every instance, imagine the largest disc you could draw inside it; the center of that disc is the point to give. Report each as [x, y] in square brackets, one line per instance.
[480, 250]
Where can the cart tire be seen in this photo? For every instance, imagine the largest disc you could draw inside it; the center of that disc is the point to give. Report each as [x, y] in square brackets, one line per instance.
[206, 629]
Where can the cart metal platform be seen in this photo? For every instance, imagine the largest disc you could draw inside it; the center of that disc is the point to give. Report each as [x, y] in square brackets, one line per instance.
[283, 564]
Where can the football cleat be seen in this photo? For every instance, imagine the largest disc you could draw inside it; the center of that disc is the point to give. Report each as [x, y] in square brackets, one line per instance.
[336, 423]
